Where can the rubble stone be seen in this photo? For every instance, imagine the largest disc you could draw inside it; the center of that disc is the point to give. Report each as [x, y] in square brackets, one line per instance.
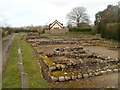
[61, 78]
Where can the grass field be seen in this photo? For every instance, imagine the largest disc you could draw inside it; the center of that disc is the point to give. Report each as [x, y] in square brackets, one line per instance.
[11, 77]
[68, 34]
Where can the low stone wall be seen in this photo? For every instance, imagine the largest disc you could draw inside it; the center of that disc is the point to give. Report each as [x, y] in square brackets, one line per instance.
[57, 31]
[83, 75]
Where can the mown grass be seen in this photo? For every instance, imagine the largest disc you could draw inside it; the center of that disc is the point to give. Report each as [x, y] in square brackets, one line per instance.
[11, 77]
[68, 34]
[79, 33]
[32, 67]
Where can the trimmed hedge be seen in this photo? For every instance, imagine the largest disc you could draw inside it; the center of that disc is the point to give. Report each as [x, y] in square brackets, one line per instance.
[112, 31]
[17, 31]
[109, 31]
[78, 29]
[41, 31]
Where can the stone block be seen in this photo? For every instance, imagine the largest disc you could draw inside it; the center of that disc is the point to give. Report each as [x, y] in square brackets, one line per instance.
[54, 78]
[79, 76]
[91, 74]
[103, 72]
[58, 66]
[52, 68]
[109, 71]
[67, 78]
[74, 77]
[97, 73]
[62, 66]
[115, 70]
[61, 78]
[85, 75]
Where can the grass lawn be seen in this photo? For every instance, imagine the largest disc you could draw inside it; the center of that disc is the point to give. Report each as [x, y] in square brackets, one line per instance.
[79, 33]
[69, 34]
[11, 77]
[32, 67]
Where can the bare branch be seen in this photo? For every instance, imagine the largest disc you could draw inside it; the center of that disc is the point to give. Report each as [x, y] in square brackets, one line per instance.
[78, 15]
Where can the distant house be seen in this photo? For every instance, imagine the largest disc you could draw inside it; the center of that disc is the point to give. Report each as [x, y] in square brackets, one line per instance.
[56, 27]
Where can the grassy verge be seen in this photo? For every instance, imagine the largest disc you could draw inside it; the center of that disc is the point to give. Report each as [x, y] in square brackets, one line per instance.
[11, 77]
[32, 67]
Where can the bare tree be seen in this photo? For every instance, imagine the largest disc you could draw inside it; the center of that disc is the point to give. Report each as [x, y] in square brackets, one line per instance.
[78, 16]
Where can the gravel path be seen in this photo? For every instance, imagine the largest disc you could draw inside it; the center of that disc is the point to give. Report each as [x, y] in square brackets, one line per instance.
[6, 46]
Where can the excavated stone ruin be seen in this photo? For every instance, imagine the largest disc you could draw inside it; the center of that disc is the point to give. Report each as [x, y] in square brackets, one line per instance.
[70, 63]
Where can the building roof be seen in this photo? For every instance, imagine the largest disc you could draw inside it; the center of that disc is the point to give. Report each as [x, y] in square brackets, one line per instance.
[56, 21]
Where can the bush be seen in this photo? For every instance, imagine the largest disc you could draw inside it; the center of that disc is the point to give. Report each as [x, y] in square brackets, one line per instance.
[103, 30]
[109, 31]
[80, 29]
[41, 31]
[112, 31]
[22, 30]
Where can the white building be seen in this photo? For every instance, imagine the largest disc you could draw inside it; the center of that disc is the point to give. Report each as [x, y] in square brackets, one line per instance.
[56, 25]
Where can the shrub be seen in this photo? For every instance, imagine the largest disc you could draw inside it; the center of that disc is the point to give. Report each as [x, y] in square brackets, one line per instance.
[79, 29]
[103, 30]
[112, 31]
[109, 31]
[23, 30]
[41, 31]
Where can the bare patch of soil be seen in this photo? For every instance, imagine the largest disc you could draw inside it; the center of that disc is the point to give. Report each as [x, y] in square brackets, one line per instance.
[103, 50]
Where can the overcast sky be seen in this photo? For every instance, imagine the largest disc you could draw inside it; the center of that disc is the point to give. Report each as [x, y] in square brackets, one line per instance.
[41, 12]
